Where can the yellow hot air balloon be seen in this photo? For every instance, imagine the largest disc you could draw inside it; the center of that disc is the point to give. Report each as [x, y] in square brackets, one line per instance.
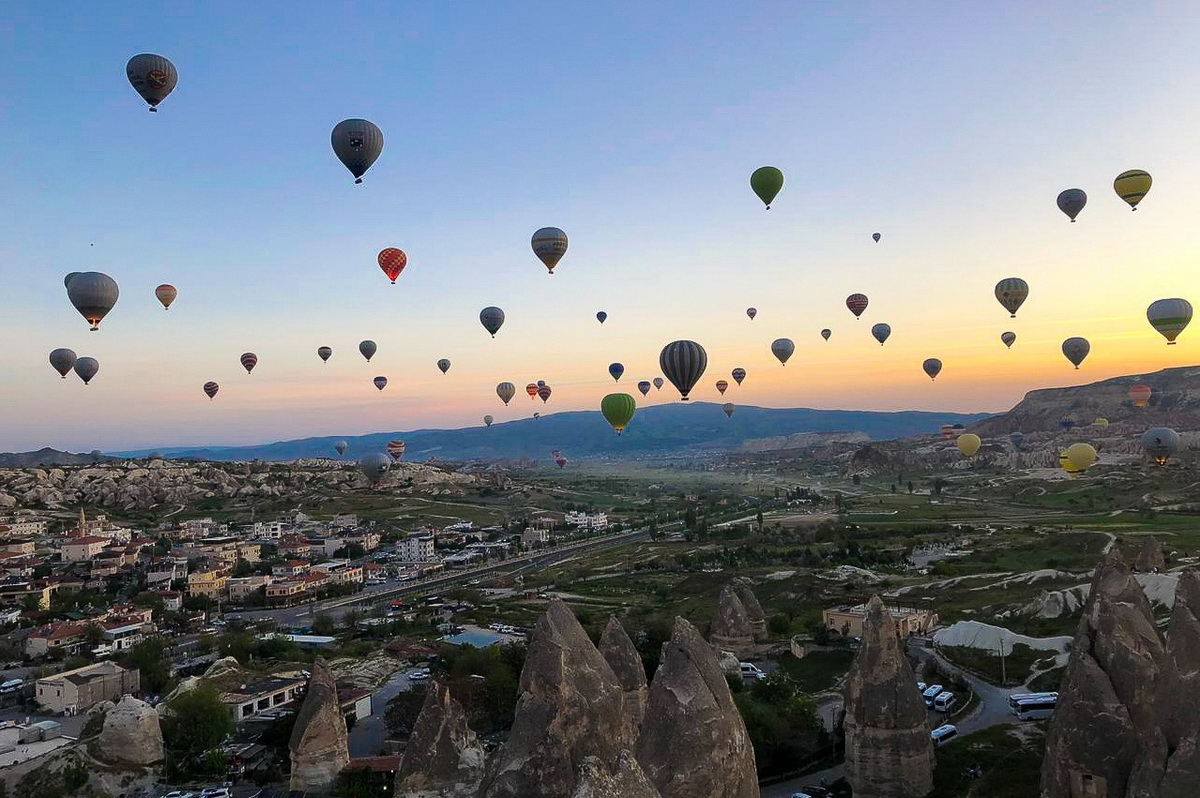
[1067, 466]
[968, 444]
[1100, 423]
[1081, 456]
[1132, 185]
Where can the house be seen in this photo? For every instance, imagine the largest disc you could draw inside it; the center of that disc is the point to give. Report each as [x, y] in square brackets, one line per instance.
[125, 634]
[340, 572]
[75, 691]
[83, 548]
[210, 584]
[239, 587]
[272, 692]
[17, 545]
[286, 592]
[172, 600]
[415, 548]
[534, 536]
[355, 703]
[848, 621]
[594, 522]
[68, 638]
[290, 568]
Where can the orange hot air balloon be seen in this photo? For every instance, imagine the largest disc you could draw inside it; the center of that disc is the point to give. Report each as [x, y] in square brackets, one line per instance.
[1140, 394]
[392, 261]
[531, 389]
[166, 295]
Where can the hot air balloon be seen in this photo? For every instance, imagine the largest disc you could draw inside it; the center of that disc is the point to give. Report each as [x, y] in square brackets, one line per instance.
[826, 333]
[618, 409]
[728, 408]
[93, 294]
[1161, 443]
[1067, 423]
[152, 76]
[738, 375]
[506, 391]
[658, 383]
[374, 466]
[615, 370]
[443, 365]
[356, 143]
[968, 443]
[1132, 185]
[166, 294]
[549, 244]
[544, 393]
[63, 360]
[1064, 461]
[68, 277]
[766, 181]
[392, 261]
[1076, 349]
[395, 449]
[876, 236]
[857, 304]
[531, 389]
[86, 368]
[1081, 456]
[536, 416]
[1008, 338]
[932, 366]
[601, 316]
[324, 353]
[1140, 394]
[367, 349]
[881, 332]
[683, 363]
[751, 312]
[1011, 292]
[1017, 439]
[644, 387]
[1169, 316]
[722, 385]
[541, 383]
[1071, 202]
[488, 419]
[211, 388]
[380, 382]
[947, 431]
[340, 447]
[1100, 423]
[782, 348]
[560, 461]
[491, 318]
[249, 361]
[959, 428]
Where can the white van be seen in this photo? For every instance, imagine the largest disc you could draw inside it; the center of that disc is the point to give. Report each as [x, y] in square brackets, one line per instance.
[751, 671]
[1035, 708]
[945, 702]
[931, 693]
[11, 686]
[943, 734]
[1016, 699]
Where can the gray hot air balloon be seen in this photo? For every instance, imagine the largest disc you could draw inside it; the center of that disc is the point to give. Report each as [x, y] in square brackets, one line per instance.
[826, 333]
[374, 466]
[340, 447]
[658, 383]
[1017, 438]
[93, 294]
[1008, 338]
[152, 76]
[683, 363]
[1071, 202]
[86, 368]
[506, 391]
[549, 244]
[1160, 443]
[443, 365]
[63, 360]
[932, 367]
[881, 332]
[324, 353]
[782, 348]
[491, 318]
[368, 349]
[644, 387]
[67, 280]
[728, 408]
[1076, 349]
[487, 420]
[357, 143]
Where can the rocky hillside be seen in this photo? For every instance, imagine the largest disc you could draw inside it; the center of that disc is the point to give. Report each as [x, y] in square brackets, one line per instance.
[50, 457]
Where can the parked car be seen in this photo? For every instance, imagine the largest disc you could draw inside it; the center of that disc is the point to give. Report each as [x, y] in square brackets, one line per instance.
[216, 792]
[179, 794]
[751, 671]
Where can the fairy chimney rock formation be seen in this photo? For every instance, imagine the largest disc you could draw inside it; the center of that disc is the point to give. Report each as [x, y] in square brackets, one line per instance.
[754, 610]
[319, 747]
[626, 781]
[131, 734]
[730, 629]
[1150, 559]
[888, 750]
[442, 757]
[570, 707]
[617, 649]
[693, 742]
[1107, 720]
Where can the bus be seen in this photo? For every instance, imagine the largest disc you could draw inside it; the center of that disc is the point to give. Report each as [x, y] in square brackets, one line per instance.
[1035, 709]
[1017, 698]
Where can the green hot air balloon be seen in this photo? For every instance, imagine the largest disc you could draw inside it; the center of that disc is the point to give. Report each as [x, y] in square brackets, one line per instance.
[618, 408]
[766, 182]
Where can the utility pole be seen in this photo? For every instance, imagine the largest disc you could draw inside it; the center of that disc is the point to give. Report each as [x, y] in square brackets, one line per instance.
[1003, 674]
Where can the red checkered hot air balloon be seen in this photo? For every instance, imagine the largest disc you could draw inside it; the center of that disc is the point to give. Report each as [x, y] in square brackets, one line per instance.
[392, 261]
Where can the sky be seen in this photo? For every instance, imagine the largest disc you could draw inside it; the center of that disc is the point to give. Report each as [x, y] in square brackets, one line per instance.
[949, 128]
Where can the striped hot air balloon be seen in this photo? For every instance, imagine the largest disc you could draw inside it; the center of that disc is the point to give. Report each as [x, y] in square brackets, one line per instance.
[544, 393]
[683, 363]
[1140, 394]
[1132, 186]
[395, 449]
[249, 361]
[1008, 339]
[506, 391]
[722, 386]
[1170, 317]
[549, 244]
[211, 388]
[857, 304]
[531, 389]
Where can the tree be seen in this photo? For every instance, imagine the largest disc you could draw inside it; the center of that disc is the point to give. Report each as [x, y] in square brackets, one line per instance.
[93, 634]
[759, 518]
[194, 723]
[150, 658]
[323, 625]
[242, 568]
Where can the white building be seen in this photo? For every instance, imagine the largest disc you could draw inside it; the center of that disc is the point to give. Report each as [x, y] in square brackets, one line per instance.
[268, 530]
[415, 548]
[597, 521]
[535, 537]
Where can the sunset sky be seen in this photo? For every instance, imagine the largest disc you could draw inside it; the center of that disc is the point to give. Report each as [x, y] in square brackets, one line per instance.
[948, 127]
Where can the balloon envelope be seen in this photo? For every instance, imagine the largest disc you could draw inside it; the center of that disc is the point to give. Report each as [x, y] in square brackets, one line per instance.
[968, 443]
[374, 466]
[531, 389]
[395, 449]
[738, 375]
[751, 312]
[93, 294]
[615, 370]
[152, 76]
[766, 182]
[211, 389]
[1071, 202]
[1017, 439]
[601, 316]
[549, 244]
[324, 353]
[932, 367]
[1140, 394]
[826, 333]
[392, 261]
[487, 420]
[544, 393]
[367, 349]
[881, 332]
[340, 447]
[857, 304]
[1008, 338]
[249, 361]
[618, 410]
[491, 318]
[728, 408]
[63, 360]
[1132, 186]
[1076, 349]
[1081, 456]
[506, 391]
[357, 144]
[644, 387]
[683, 362]
[380, 382]
[1011, 292]
[1161, 443]
[782, 349]
[722, 386]
[86, 368]
[658, 383]
[166, 295]
[1170, 317]
[443, 365]
[876, 236]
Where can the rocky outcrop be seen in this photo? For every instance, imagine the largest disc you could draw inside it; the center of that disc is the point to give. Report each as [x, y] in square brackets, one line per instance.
[693, 743]
[888, 750]
[131, 735]
[628, 780]
[730, 664]
[730, 629]
[319, 747]
[1108, 714]
[1183, 647]
[1150, 559]
[618, 651]
[570, 707]
[442, 757]
[754, 610]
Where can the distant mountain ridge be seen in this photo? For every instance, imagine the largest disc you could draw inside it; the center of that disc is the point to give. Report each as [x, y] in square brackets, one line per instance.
[47, 457]
[656, 430]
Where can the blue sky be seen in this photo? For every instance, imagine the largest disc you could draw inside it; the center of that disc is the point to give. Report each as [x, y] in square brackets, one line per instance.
[948, 127]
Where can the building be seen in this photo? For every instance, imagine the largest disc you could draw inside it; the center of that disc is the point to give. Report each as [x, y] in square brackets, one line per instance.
[291, 568]
[125, 634]
[83, 548]
[286, 592]
[415, 548]
[239, 587]
[594, 522]
[24, 526]
[492, 551]
[67, 638]
[534, 536]
[848, 621]
[270, 693]
[210, 584]
[340, 572]
[17, 545]
[72, 692]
